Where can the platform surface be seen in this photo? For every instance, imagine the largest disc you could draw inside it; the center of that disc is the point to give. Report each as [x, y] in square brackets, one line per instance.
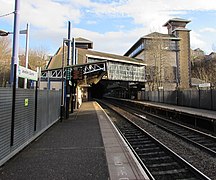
[85, 146]
[204, 113]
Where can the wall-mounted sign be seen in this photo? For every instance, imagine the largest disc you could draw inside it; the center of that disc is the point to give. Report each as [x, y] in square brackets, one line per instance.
[26, 102]
[204, 85]
[27, 73]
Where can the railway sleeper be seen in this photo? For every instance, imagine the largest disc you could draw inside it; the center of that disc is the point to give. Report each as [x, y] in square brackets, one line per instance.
[166, 164]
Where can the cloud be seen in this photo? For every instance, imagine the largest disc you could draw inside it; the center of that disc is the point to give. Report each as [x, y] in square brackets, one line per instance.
[48, 19]
[112, 42]
[208, 30]
[91, 22]
[203, 40]
[144, 10]
[48, 14]
[196, 40]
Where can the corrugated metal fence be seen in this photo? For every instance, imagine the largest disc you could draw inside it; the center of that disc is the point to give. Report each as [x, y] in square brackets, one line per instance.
[29, 121]
[203, 99]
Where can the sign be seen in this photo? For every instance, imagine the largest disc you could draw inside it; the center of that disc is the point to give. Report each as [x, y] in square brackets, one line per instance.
[204, 85]
[26, 102]
[27, 73]
[77, 74]
[68, 74]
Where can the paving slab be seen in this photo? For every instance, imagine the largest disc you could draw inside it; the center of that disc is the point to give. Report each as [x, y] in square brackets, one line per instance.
[84, 147]
[72, 149]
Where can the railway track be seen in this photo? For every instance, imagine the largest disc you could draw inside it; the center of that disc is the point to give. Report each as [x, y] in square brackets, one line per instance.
[159, 161]
[204, 141]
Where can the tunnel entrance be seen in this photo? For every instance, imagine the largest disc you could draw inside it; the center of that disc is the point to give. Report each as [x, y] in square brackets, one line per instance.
[98, 90]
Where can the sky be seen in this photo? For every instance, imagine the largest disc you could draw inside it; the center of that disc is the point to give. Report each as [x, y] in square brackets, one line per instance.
[113, 25]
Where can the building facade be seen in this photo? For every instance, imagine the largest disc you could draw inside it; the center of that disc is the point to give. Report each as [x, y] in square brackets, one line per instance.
[167, 56]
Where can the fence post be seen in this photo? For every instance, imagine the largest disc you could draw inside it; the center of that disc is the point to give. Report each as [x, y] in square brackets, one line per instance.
[13, 106]
[199, 96]
[36, 102]
[177, 97]
[211, 91]
[163, 95]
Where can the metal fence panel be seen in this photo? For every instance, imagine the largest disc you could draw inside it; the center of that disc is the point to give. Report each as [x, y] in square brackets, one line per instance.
[5, 120]
[48, 111]
[146, 96]
[54, 105]
[153, 96]
[213, 99]
[185, 98]
[161, 96]
[48, 108]
[42, 109]
[24, 116]
[170, 97]
[194, 99]
[205, 99]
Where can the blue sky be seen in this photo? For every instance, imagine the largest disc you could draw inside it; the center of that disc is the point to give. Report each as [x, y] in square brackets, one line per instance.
[113, 25]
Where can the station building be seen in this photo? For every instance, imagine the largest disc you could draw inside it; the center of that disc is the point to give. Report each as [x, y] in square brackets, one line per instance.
[155, 62]
[99, 72]
[167, 56]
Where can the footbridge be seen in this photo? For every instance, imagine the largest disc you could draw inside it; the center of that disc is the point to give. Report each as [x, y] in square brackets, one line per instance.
[96, 66]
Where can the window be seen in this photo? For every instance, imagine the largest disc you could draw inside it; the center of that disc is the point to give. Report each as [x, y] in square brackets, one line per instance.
[137, 50]
[170, 45]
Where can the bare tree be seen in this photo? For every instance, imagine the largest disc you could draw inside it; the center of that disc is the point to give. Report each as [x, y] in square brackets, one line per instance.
[204, 70]
[159, 69]
[5, 60]
[36, 58]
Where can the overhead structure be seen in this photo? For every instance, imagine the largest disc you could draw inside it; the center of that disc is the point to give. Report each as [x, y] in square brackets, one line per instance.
[75, 79]
[94, 66]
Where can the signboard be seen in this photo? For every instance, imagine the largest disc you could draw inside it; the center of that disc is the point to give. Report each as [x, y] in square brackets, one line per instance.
[27, 73]
[77, 74]
[204, 85]
[26, 102]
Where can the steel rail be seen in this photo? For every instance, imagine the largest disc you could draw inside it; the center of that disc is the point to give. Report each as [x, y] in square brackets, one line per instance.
[138, 138]
[200, 139]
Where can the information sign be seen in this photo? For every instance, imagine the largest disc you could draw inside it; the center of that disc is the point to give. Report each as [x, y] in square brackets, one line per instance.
[27, 73]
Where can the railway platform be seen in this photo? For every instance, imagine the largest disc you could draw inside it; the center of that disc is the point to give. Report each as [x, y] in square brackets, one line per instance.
[85, 146]
[182, 109]
[203, 113]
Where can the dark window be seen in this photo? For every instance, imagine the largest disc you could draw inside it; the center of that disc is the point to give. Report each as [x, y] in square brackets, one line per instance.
[137, 50]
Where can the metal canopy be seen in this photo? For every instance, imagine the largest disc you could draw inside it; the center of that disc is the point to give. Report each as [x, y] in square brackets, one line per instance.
[86, 69]
[111, 69]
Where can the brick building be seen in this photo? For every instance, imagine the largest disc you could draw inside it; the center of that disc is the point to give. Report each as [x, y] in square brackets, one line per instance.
[167, 56]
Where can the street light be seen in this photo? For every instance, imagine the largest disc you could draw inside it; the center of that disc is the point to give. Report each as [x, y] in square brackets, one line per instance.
[3, 33]
[25, 31]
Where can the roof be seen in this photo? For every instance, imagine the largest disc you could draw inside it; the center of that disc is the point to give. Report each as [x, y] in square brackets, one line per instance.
[108, 56]
[151, 36]
[56, 61]
[82, 40]
[160, 35]
[181, 29]
[176, 20]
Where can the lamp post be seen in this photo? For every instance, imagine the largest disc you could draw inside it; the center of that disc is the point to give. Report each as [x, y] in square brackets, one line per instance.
[26, 52]
[14, 61]
[3, 33]
[25, 31]
[15, 53]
